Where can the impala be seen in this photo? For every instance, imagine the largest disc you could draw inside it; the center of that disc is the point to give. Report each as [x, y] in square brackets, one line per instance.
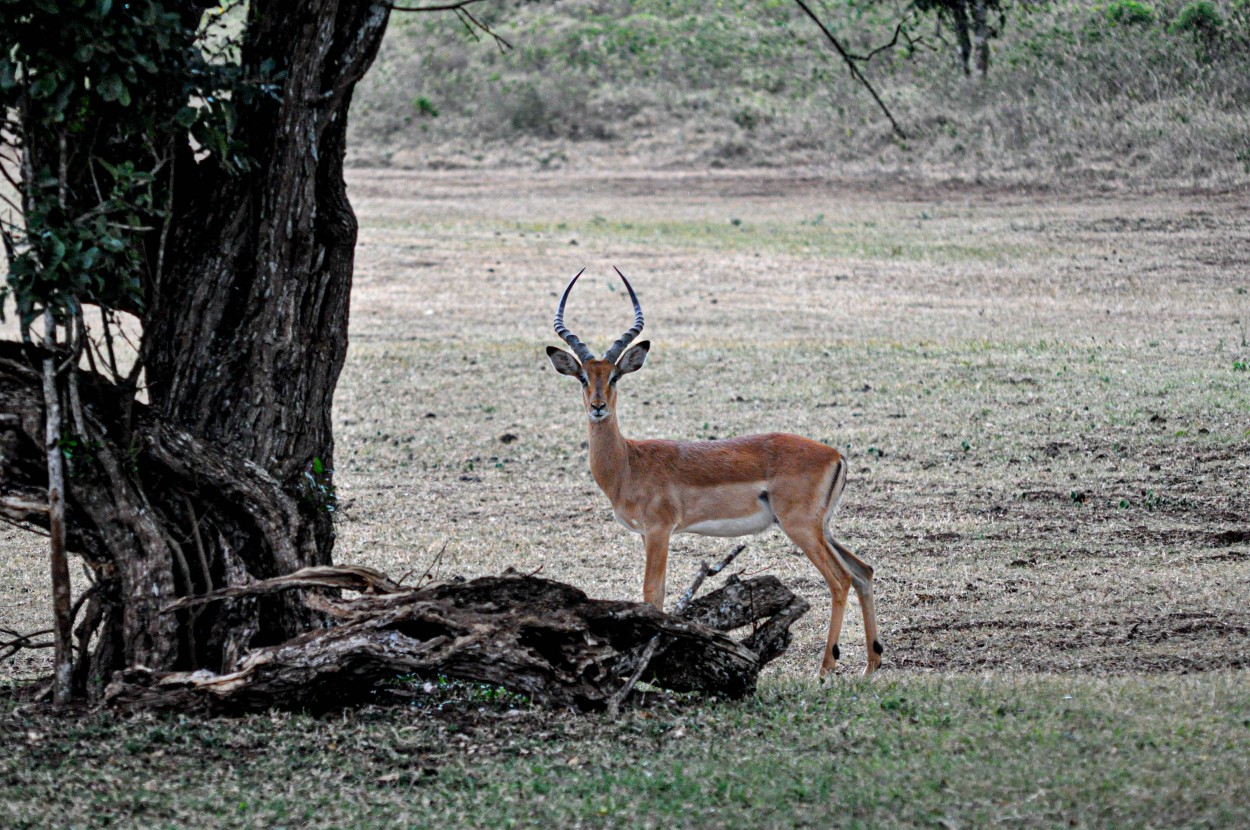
[730, 487]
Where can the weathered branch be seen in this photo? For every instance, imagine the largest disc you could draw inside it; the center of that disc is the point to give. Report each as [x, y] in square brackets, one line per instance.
[849, 60]
[742, 602]
[22, 510]
[352, 578]
[704, 572]
[466, 17]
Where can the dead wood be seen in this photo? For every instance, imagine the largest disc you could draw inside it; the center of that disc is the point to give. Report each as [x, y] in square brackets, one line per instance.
[542, 639]
[643, 663]
[352, 578]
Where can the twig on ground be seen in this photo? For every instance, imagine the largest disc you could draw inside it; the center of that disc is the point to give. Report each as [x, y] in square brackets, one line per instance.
[704, 572]
[38, 531]
[438, 558]
[21, 641]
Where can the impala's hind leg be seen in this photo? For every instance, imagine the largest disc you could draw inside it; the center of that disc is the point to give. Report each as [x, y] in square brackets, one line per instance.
[811, 540]
[861, 578]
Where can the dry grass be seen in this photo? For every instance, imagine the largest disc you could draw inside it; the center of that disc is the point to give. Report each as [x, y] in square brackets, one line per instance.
[982, 357]
[1071, 95]
[1049, 454]
[1047, 435]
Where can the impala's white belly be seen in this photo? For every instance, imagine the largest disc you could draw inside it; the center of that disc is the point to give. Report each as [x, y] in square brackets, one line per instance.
[740, 509]
[747, 525]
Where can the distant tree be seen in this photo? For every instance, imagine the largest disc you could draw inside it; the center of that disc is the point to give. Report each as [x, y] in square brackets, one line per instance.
[969, 20]
[177, 164]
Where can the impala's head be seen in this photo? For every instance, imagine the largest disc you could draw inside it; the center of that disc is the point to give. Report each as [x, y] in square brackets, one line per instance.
[599, 375]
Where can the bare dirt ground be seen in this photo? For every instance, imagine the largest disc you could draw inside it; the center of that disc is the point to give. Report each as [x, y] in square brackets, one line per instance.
[1037, 393]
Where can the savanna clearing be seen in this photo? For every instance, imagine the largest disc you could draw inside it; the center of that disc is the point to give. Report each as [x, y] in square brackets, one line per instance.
[1045, 402]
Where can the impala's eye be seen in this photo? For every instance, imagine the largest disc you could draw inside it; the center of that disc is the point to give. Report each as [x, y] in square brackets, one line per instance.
[612, 380]
[584, 381]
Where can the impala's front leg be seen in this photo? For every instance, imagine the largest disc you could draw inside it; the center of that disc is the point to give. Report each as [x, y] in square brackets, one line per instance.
[656, 540]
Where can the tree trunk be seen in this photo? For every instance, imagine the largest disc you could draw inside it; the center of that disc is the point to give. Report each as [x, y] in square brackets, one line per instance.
[981, 36]
[959, 22]
[62, 662]
[227, 476]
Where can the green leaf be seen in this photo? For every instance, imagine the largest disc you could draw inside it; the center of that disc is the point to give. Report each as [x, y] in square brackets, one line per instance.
[186, 116]
[102, 7]
[58, 253]
[43, 86]
[317, 466]
[110, 87]
[229, 116]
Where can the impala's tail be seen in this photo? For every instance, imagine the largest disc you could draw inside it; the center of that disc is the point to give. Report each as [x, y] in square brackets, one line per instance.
[836, 486]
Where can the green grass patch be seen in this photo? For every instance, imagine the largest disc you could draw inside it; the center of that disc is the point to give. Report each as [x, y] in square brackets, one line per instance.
[799, 238]
[1031, 751]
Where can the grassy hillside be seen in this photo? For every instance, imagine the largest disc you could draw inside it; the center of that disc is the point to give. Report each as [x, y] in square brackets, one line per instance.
[1127, 91]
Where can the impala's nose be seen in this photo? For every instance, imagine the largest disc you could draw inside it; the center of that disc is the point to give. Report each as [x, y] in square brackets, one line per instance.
[598, 410]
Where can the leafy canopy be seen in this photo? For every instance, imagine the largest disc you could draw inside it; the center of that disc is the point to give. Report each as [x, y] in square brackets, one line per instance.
[99, 101]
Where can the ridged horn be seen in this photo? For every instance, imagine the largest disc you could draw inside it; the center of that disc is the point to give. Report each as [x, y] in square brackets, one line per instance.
[625, 339]
[579, 348]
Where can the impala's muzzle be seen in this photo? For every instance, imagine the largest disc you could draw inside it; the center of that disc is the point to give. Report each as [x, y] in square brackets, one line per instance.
[598, 410]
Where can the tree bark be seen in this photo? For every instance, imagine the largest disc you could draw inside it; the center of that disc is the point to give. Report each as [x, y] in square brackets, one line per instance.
[246, 333]
[227, 477]
[62, 661]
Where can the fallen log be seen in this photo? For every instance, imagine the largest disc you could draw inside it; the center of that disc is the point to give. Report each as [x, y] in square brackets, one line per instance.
[535, 637]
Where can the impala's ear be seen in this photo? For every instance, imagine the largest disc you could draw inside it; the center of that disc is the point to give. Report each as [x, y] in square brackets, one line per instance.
[634, 358]
[564, 362]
